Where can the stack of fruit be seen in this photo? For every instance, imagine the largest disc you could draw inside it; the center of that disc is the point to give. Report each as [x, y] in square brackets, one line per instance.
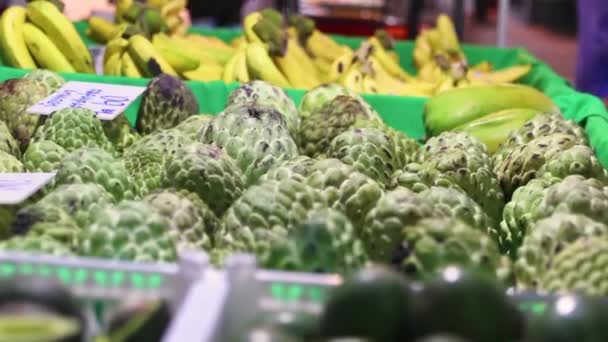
[326, 187]
[40, 36]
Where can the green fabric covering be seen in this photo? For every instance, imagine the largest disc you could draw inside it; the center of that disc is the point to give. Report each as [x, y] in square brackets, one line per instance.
[402, 113]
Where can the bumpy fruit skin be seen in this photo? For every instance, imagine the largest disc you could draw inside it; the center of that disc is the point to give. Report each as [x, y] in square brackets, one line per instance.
[145, 169]
[8, 144]
[381, 232]
[577, 160]
[297, 168]
[368, 150]
[47, 220]
[165, 142]
[206, 171]
[540, 125]
[316, 98]
[80, 201]
[120, 133]
[451, 202]
[546, 239]
[16, 96]
[345, 189]
[166, 102]
[43, 156]
[193, 125]
[265, 94]
[323, 243]
[431, 244]
[35, 244]
[255, 136]
[323, 125]
[451, 141]
[193, 223]
[9, 164]
[93, 165]
[581, 267]
[518, 214]
[73, 129]
[524, 162]
[405, 147]
[49, 79]
[129, 231]
[263, 214]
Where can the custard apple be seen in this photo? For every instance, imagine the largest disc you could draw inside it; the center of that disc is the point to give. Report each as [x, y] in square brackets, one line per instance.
[429, 245]
[540, 125]
[265, 94]
[8, 144]
[164, 142]
[396, 209]
[120, 133]
[193, 223]
[49, 221]
[9, 164]
[145, 169]
[43, 156]
[130, 231]
[323, 125]
[255, 136]
[49, 79]
[546, 239]
[73, 129]
[297, 168]
[405, 147]
[16, 96]
[166, 102]
[577, 160]
[316, 98]
[454, 141]
[325, 242]
[368, 150]
[93, 165]
[193, 125]
[36, 244]
[207, 171]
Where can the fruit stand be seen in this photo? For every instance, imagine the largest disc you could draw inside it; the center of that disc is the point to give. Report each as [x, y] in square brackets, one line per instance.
[423, 188]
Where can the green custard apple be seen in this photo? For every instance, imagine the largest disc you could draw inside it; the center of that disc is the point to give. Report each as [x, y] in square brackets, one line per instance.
[10, 164]
[405, 147]
[317, 97]
[145, 169]
[120, 133]
[297, 168]
[207, 171]
[8, 144]
[164, 142]
[193, 125]
[35, 244]
[577, 160]
[450, 141]
[49, 221]
[43, 156]
[166, 102]
[130, 231]
[52, 81]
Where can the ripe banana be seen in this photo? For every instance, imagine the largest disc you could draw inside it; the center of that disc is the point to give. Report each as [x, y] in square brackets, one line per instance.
[46, 54]
[353, 79]
[321, 45]
[340, 66]
[507, 75]
[172, 8]
[447, 34]
[240, 67]
[180, 61]
[102, 30]
[204, 73]
[128, 66]
[387, 62]
[459, 106]
[494, 129]
[12, 43]
[248, 23]
[62, 33]
[205, 54]
[113, 65]
[369, 85]
[117, 45]
[149, 61]
[217, 50]
[261, 66]
[293, 70]
[122, 7]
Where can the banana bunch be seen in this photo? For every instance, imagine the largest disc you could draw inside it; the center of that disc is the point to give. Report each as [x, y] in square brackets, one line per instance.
[40, 36]
[170, 11]
[487, 112]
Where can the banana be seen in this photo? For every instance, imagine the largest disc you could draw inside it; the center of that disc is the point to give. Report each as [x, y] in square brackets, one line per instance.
[240, 67]
[369, 85]
[113, 65]
[459, 106]
[494, 129]
[507, 75]
[149, 61]
[304, 60]
[423, 52]
[122, 7]
[204, 73]
[484, 66]
[180, 61]
[173, 22]
[219, 50]
[387, 62]
[12, 43]
[62, 33]
[238, 42]
[321, 45]
[445, 85]
[353, 80]
[102, 30]
[205, 54]
[323, 66]
[173, 7]
[46, 54]
[293, 69]
[340, 66]
[248, 23]
[114, 46]
[447, 33]
[261, 66]
[128, 66]
[229, 74]
[385, 81]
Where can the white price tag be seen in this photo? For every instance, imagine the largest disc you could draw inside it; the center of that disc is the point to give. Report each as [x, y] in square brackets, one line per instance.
[17, 187]
[107, 100]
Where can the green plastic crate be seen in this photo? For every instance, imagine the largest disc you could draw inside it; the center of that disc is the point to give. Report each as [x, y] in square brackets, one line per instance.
[402, 113]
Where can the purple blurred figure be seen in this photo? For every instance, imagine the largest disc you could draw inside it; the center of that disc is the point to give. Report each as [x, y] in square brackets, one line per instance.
[592, 60]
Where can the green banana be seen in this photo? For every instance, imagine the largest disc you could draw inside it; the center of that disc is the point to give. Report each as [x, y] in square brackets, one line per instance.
[12, 43]
[149, 61]
[494, 129]
[46, 54]
[459, 106]
[261, 66]
[62, 33]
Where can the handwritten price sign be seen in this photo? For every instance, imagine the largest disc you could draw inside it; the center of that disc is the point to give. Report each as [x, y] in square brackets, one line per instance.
[107, 100]
[17, 187]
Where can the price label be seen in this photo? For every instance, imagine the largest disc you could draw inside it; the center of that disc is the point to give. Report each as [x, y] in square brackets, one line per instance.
[17, 187]
[107, 100]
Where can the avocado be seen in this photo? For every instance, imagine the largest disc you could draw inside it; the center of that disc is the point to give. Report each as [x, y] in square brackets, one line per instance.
[467, 304]
[140, 322]
[571, 318]
[373, 304]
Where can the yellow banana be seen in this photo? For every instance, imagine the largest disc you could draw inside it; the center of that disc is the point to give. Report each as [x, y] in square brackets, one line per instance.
[176, 58]
[122, 6]
[128, 66]
[484, 66]
[261, 66]
[238, 42]
[157, 3]
[204, 53]
[353, 80]
[447, 34]
[323, 66]
[46, 54]
[321, 45]
[12, 42]
[423, 51]
[385, 81]
[387, 62]
[340, 66]
[240, 67]
[173, 22]
[507, 75]
[173, 7]
[220, 50]
[113, 65]
[149, 61]
[248, 22]
[448, 83]
[293, 69]
[204, 73]
[62, 33]
[114, 46]
[303, 59]
[102, 30]
[369, 85]
[229, 74]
